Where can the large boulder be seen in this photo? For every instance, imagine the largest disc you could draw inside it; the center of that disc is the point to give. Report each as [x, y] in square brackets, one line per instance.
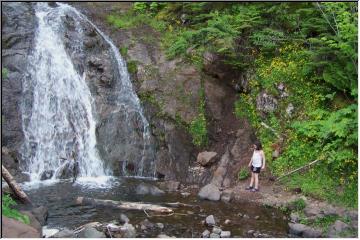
[206, 158]
[297, 228]
[33, 221]
[337, 228]
[15, 229]
[41, 214]
[210, 192]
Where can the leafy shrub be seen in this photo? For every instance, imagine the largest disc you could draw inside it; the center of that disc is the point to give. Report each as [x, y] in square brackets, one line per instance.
[243, 174]
[198, 126]
[140, 7]
[8, 211]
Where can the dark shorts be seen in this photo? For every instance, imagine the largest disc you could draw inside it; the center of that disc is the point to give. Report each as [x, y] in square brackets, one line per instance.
[255, 169]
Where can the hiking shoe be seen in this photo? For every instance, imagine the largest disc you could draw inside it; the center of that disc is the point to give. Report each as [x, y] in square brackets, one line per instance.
[254, 190]
[249, 188]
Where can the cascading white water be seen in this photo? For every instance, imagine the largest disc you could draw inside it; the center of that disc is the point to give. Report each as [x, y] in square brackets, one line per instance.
[59, 117]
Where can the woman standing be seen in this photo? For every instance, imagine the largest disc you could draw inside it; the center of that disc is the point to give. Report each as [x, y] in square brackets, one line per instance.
[256, 164]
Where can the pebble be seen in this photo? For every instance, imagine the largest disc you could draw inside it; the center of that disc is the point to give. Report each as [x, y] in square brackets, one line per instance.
[190, 212]
[216, 230]
[225, 234]
[227, 221]
[256, 217]
[214, 235]
[160, 225]
[251, 232]
[245, 216]
[240, 214]
[185, 194]
[205, 234]
[163, 236]
[210, 220]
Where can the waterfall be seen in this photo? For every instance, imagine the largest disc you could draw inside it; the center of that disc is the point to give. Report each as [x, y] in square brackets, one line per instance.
[59, 117]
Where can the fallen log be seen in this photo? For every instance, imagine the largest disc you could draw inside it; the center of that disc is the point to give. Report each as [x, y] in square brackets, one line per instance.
[14, 186]
[179, 204]
[123, 205]
[298, 169]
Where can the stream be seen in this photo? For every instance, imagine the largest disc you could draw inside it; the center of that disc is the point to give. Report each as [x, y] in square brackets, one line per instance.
[60, 197]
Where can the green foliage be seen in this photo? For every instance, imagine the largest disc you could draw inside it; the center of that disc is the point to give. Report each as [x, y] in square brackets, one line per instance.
[198, 126]
[4, 72]
[311, 48]
[8, 211]
[298, 204]
[243, 174]
[140, 7]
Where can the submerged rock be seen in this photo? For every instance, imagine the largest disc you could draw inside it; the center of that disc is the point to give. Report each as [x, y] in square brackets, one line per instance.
[210, 192]
[65, 233]
[144, 189]
[91, 232]
[146, 224]
[170, 186]
[124, 218]
[160, 225]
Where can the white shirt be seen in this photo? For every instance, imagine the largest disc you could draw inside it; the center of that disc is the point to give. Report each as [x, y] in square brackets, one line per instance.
[257, 159]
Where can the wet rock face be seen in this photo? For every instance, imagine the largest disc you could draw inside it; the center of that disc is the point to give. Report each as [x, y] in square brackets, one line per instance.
[266, 103]
[18, 25]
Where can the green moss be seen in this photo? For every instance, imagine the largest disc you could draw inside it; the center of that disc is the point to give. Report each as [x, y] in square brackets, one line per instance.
[132, 66]
[123, 51]
[4, 73]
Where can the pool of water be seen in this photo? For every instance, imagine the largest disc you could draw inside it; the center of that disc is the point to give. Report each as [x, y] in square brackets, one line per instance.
[59, 198]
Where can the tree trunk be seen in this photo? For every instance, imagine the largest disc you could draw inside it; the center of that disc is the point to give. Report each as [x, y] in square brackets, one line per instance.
[14, 186]
[123, 205]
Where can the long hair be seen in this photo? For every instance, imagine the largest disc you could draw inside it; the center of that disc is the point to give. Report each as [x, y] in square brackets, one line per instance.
[258, 145]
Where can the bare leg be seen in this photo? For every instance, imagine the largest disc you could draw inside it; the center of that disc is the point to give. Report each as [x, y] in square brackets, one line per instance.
[252, 180]
[256, 180]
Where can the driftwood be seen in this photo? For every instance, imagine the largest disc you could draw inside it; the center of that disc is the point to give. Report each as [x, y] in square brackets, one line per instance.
[298, 169]
[179, 204]
[14, 186]
[123, 205]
